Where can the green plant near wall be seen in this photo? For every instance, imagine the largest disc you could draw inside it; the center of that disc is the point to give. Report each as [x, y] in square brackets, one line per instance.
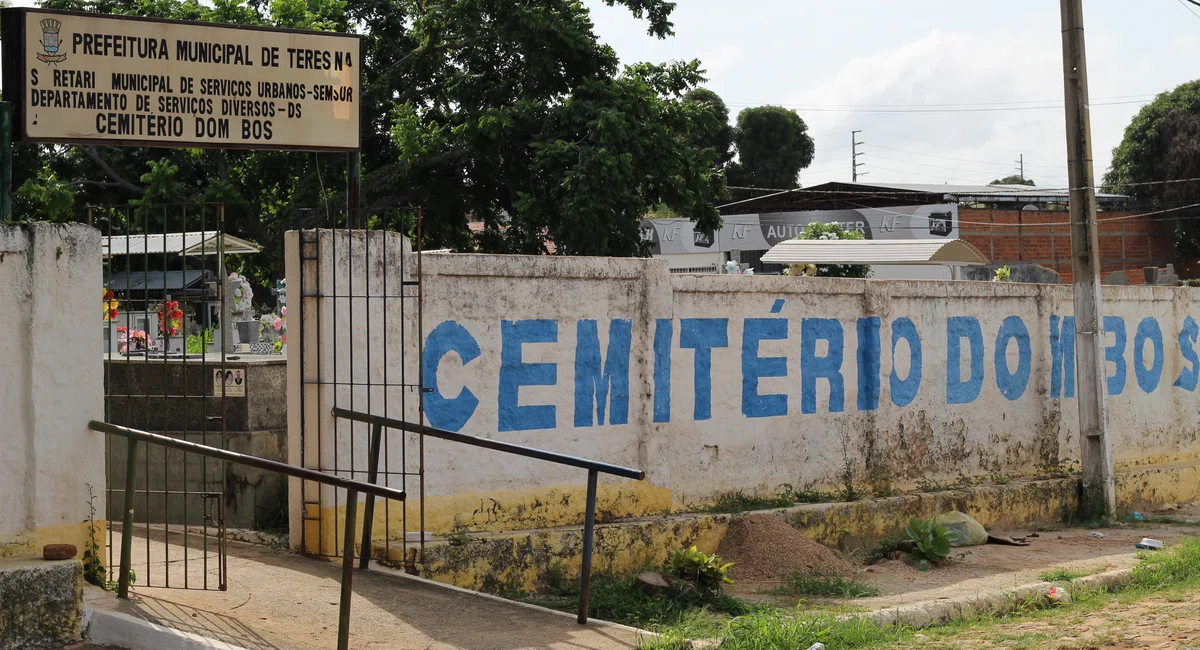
[706, 572]
[931, 542]
[198, 343]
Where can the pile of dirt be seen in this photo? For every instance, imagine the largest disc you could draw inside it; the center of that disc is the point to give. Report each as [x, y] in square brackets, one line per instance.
[766, 548]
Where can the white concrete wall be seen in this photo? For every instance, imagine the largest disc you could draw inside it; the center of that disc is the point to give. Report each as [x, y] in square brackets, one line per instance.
[50, 385]
[802, 378]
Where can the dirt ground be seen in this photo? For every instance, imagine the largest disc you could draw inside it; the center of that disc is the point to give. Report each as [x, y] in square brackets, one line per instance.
[991, 567]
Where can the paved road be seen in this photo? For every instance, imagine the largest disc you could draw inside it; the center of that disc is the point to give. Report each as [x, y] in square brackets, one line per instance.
[278, 601]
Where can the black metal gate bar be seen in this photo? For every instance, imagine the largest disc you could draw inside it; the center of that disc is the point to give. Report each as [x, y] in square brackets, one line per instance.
[156, 386]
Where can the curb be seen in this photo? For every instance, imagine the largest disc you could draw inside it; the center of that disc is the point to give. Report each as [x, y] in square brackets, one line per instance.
[937, 612]
[110, 628]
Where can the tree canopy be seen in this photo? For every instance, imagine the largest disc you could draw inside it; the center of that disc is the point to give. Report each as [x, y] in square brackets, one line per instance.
[773, 145]
[512, 114]
[1013, 180]
[1162, 143]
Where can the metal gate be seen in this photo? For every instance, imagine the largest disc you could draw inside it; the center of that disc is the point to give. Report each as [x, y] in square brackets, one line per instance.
[357, 345]
[165, 350]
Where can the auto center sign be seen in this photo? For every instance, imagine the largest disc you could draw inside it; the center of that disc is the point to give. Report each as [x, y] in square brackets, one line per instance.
[750, 232]
[92, 78]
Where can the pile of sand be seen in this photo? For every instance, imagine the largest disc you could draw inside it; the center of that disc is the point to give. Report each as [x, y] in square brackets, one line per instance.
[766, 548]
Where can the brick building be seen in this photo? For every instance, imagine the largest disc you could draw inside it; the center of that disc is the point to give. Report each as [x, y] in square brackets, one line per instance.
[1010, 224]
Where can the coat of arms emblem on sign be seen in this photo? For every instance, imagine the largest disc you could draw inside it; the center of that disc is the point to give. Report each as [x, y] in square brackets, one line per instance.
[50, 42]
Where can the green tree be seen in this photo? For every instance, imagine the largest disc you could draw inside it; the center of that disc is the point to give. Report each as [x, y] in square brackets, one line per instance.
[45, 198]
[773, 145]
[513, 114]
[1013, 180]
[829, 231]
[720, 136]
[1162, 143]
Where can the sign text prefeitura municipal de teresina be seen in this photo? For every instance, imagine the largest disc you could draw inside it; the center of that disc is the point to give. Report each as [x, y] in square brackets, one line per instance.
[81, 78]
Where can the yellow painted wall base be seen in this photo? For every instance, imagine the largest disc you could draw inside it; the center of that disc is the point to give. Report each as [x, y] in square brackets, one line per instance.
[496, 562]
[31, 542]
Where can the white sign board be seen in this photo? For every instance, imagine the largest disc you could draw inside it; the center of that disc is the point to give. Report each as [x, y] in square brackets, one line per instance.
[94, 78]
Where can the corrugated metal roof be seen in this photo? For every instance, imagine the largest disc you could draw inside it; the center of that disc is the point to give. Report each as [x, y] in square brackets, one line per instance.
[155, 281]
[874, 251]
[182, 243]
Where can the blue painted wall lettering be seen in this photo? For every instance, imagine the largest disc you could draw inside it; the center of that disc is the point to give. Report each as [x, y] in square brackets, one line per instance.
[1012, 383]
[904, 391]
[1062, 357]
[514, 373]
[1148, 378]
[702, 335]
[959, 390]
[754, 367]
[813, 367]
[594, 386]
[664, 331]
[868, 363]
[1187, 347]
[449, 413]
[1115, 353]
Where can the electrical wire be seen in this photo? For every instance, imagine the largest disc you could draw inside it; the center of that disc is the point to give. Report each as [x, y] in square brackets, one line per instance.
[1092, 104]
[1193, 11]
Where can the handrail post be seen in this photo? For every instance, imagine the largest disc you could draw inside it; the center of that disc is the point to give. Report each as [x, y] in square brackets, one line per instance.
[369, 506]
[589, 529]
[343, 642]
[131, 451]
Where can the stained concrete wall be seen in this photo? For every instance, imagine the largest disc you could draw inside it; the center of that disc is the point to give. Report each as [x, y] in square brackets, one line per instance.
[50, 385]
[720, 383]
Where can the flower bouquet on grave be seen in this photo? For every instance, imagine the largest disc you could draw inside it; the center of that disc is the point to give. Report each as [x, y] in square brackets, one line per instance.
[170, 326]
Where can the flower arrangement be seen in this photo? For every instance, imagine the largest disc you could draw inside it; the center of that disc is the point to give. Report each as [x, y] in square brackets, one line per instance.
[242, 293]
[132, 341]
[170, 318]
[110, 305]
[733, 268]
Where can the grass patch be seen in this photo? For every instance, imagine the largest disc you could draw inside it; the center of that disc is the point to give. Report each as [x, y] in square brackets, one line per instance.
[814, 583]
[1066, 575]
[1167, 574]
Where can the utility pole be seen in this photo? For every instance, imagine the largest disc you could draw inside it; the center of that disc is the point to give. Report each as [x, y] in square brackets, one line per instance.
[1099, 496]
[854, 164]
[1021, 167]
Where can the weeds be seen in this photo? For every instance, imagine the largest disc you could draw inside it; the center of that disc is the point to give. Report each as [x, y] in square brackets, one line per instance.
[739, 501]
[93, 566]
[458, 537]
[817, 583]
[888, 545]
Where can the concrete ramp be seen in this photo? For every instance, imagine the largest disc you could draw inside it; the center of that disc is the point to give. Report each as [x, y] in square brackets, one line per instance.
[279, 601]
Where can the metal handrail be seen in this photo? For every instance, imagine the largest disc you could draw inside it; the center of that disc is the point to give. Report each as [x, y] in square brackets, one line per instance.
[133, 436]
[593, 467]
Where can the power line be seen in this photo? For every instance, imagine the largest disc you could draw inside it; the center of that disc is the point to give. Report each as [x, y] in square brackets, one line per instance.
[951, 110]
[1193, 11]
[1055, 103]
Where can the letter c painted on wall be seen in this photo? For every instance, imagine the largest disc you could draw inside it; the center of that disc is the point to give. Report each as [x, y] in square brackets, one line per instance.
[443, 412]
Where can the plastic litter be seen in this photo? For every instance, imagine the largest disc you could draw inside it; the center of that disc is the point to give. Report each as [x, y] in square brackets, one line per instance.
[1059, 596]
[1097, 535]
[1150, 544]
[1137, 516]
[817, 646]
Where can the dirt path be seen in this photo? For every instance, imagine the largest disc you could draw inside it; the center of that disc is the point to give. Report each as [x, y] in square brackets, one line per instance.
[1171, 623]
[278, 601]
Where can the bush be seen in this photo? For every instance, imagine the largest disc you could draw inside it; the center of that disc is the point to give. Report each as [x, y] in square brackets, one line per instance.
[830, 231]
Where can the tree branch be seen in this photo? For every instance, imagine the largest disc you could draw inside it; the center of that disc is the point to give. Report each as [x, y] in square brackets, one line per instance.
[118, 180]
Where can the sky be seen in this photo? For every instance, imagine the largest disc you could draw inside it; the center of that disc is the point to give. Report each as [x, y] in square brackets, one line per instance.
[944, 91]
